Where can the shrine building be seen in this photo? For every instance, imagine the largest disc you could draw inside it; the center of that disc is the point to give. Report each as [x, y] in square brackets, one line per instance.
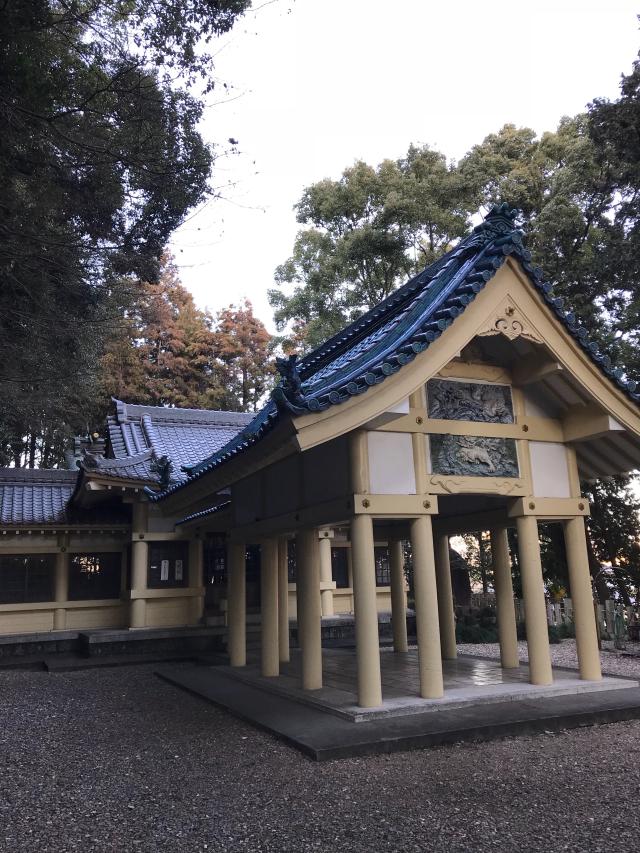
[470, 399]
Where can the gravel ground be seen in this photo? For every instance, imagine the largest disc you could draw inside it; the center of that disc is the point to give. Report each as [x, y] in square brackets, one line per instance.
[117, 760]
[625, 662]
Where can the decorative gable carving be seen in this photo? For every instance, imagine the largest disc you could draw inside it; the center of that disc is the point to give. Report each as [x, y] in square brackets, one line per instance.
[508, 320]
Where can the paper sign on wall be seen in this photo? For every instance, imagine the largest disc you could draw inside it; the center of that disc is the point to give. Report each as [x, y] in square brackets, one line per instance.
[179, 570]
[164, 570]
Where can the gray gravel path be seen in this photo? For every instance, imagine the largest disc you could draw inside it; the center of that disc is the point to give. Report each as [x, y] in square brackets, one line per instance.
[116, 760]
[614, 662]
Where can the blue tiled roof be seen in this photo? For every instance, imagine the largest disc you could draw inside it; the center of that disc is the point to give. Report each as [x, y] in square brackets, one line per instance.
[389, 336]
[35, 496]
[140, 435]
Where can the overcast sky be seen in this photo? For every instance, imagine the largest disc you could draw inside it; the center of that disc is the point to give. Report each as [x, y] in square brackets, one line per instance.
[316, 84]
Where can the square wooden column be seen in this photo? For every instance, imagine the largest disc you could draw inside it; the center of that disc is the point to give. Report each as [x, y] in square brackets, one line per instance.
[196, 578]
[61, 589]
[309, 608]
[326, 573]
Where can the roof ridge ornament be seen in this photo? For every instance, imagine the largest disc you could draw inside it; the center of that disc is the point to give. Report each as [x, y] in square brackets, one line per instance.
[500, 220]
[288, 392]
[162, 466]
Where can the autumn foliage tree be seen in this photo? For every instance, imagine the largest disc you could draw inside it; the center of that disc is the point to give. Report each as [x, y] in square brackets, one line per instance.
[168, 352]
[243, 347]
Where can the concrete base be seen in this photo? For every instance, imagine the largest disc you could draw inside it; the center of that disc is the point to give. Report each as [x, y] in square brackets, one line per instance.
[158, 643]
[323, 736]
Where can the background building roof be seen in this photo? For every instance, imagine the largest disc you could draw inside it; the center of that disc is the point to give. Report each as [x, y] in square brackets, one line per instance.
[35, 496]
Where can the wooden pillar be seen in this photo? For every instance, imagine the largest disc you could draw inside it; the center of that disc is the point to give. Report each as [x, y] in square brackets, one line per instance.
[237, 604]
[196, 578]
[535, 612]
[269, 607]
[283, 600]
[61, 589]
[582, 599]
[366, 612]
[505, 609]
[426, 597]
[326, 573]
[398, 600]
[309, 608]
[139, 566]
[139, 563]
[446, 614]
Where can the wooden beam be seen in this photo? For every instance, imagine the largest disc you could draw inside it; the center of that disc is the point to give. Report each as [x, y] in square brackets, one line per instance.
[532, 369]
[549, 508]
[582, 423]
[525, 427]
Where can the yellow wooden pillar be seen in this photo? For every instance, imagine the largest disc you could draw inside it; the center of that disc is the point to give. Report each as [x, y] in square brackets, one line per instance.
[426, 600]
[507, 630]
[237, 603]
[326, 573]
[582, 599]
[366, 612]
[61, 589]
[283, 600]
[196, 578]
[309, 608]
[535, 611]
[139, 563]
[398, 600]
[446, 614]
[139, 566]
[269, 607]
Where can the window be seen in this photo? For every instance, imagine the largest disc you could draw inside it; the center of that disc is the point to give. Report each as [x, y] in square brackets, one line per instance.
[383, 569]
[93, 576]
[168, 564]
[340, 567]
[26, 578]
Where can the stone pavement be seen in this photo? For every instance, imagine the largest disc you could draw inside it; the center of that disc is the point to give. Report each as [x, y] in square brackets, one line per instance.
[481, 701]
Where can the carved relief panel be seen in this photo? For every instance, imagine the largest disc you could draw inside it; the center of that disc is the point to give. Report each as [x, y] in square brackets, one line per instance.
[469, 455]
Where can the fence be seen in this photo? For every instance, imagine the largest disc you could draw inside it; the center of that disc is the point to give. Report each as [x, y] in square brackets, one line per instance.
[614, 618]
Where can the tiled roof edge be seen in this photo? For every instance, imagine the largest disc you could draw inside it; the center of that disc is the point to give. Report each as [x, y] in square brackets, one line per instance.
[493, 241]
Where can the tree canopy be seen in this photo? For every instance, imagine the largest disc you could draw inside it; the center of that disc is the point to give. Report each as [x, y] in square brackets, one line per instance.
[165, 351]
[100, 159]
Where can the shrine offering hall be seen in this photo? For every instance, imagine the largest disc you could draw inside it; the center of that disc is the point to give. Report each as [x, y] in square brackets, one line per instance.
[470, 399]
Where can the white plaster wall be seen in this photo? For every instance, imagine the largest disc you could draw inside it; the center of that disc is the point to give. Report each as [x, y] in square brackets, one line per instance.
[536, 406]
[549, 470]
[402, 408]
[391, 469]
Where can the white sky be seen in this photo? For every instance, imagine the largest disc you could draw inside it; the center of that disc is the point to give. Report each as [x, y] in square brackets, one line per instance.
[318, 84]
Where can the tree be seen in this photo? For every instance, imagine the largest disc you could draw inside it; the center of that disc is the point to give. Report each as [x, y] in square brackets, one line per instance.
[613, 128]
[613, 532]
[100, 159]
[364, 235]
[242, 346]
[163, 352]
